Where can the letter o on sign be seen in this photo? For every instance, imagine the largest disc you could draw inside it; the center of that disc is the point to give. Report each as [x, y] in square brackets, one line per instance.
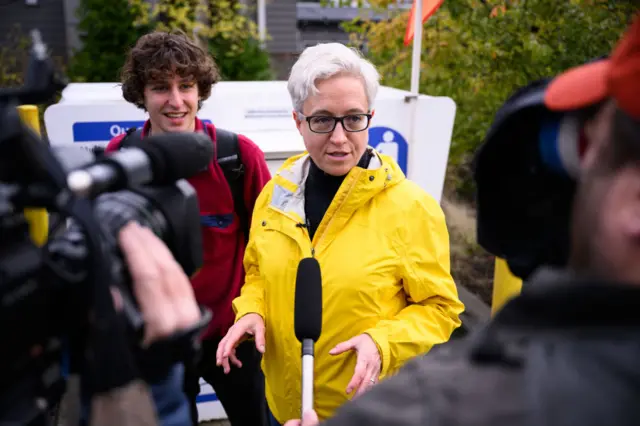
[115, 130]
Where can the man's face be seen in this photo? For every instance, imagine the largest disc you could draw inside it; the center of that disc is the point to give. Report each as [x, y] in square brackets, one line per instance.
[606, 216]
[337, 152]
[172, 104]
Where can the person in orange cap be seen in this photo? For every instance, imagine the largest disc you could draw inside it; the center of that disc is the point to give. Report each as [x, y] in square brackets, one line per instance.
[564, 352]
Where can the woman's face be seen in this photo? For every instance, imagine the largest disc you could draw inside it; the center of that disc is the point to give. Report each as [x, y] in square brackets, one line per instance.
[338, 151]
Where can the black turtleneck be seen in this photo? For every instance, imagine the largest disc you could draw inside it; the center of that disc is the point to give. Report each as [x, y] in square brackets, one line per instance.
[320, 188]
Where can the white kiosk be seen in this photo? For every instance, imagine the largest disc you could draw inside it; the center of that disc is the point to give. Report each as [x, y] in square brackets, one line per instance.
[90, 114]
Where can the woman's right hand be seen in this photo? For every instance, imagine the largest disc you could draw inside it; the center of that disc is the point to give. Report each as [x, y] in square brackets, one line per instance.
[248, 325]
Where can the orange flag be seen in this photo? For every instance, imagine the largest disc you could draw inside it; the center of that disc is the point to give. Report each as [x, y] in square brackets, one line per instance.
[428, 8]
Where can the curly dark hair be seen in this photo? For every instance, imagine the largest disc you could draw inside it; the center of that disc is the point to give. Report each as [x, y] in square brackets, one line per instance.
[160, 55]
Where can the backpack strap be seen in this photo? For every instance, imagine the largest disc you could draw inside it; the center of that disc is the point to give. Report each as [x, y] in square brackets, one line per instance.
[127, 141]
[228, 156]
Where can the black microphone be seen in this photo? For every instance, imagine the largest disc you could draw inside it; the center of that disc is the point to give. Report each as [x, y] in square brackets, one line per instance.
[308, 321]
[160, 160]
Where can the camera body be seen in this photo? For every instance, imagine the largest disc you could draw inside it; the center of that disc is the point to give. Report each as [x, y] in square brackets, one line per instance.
[55, 296]
[525, 173]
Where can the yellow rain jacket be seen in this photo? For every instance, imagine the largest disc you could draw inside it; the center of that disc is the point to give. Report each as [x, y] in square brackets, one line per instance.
[383, 249]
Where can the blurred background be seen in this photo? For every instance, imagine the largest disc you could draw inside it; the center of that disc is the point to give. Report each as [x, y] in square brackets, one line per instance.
[473, 51]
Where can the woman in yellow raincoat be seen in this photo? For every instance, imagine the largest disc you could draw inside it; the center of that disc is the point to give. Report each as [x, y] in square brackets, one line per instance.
[381, 242]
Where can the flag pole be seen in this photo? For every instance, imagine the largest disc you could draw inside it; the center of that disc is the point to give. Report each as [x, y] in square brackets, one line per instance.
[262, 23]
[412, 160]
[417, 47]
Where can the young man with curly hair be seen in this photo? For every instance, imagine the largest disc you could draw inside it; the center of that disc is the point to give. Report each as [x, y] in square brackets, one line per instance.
[169, 76]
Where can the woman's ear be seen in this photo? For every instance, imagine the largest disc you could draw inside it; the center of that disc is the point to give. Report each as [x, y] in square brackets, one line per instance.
[298, 120]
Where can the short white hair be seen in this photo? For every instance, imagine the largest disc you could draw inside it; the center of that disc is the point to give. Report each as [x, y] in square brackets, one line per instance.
[324, 61]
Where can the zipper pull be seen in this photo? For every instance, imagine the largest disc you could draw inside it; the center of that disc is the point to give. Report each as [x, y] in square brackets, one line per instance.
[313, 249]
[307, 226]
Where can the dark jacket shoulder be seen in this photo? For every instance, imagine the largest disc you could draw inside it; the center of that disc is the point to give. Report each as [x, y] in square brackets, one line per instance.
[562, 353]
[442, 387]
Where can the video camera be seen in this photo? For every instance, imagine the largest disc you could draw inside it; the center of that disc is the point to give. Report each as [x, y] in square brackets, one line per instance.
[525, 173]
[55, 299]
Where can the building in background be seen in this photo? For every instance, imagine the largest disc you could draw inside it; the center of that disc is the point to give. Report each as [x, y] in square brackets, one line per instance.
[48, 16]
[291, 25]
[294, 25]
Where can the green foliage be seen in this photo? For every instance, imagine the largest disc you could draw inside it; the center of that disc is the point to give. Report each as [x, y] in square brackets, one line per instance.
[223, 25]
[108, 29]
[478, 53]
[14, 55]
[251, 62]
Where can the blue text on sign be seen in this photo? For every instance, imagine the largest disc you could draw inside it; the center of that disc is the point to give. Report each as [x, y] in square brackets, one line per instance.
[100, 131]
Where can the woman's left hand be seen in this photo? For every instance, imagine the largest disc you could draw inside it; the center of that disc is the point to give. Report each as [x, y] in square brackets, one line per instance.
[368, 362]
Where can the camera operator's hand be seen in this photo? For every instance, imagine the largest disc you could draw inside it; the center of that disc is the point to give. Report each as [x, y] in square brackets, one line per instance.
[160, 286]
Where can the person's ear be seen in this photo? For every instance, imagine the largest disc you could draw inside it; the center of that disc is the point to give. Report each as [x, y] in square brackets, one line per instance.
[298, 120]
[629, 213]
[590, 151]
[595, 135]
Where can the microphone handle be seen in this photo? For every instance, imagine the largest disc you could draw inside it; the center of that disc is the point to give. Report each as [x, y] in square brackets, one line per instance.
[307, 375]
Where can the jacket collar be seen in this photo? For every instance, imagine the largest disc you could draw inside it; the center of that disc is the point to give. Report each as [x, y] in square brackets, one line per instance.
[555, 299]
[289, 184]
[559, 305]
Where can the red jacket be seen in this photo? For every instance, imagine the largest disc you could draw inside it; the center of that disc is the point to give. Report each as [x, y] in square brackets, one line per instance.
[222, 274]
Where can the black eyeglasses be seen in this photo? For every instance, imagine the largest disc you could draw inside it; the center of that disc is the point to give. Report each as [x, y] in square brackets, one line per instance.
[327, 124]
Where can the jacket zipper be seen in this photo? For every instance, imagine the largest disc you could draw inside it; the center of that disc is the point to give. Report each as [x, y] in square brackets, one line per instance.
[313, 249]
[307, 225]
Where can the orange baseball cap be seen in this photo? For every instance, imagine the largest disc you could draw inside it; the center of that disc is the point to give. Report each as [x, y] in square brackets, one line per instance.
[617, 77]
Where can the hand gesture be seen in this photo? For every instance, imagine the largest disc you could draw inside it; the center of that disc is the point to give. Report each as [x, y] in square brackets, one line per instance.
[368, 362]
[248, 325]
[310, 418]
